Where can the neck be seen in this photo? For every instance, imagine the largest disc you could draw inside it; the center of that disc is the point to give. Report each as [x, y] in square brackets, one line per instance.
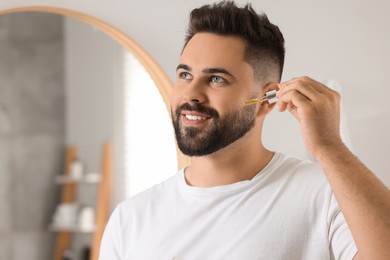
[239, 161]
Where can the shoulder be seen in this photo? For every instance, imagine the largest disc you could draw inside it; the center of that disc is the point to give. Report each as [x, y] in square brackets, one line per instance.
[291, 165]
[302, 184]
[300, 174]
[145, 199]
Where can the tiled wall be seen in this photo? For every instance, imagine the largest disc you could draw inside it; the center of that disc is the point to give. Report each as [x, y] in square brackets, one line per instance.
[31, 132]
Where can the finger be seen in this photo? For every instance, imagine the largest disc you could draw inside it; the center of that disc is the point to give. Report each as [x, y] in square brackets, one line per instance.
[293, 100]
[282, 106]
[301, 79]
[303, 87]
[321, 88]
[316, 92]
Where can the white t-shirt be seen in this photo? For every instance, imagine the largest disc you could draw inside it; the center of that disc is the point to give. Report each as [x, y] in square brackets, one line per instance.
[287, 211]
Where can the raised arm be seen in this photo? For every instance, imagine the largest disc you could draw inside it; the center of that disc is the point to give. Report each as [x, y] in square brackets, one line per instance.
[362, 197]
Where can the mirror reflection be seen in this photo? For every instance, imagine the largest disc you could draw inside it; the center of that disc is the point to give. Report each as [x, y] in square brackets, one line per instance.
[64, 82]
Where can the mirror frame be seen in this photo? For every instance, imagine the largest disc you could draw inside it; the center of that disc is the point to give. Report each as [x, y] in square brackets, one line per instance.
[161, 80]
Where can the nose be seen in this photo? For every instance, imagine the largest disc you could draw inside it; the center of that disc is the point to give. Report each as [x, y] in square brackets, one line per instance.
[195, 93]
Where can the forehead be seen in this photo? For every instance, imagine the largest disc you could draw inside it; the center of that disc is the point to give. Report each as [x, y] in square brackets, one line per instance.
[210, 50]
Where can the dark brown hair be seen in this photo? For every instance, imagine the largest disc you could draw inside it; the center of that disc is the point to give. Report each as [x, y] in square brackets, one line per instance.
[265, 43]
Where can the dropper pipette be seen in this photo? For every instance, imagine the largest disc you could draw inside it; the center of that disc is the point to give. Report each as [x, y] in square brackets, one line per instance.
[269, 96]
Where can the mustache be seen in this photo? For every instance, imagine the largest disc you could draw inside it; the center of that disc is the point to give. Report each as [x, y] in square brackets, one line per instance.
[198, 108]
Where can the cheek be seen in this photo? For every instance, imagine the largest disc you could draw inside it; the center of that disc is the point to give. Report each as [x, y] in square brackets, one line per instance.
[175, 97]
[228, 101]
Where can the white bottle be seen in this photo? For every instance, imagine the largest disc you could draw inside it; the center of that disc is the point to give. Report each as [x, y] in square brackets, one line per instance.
[86, 221]
[76, 169]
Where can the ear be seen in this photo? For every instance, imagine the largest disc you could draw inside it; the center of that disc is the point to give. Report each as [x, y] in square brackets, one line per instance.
[265, 107]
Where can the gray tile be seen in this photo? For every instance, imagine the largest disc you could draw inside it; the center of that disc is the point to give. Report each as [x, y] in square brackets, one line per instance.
[5, 76]
[36, 159]
[4, 26]
[35, 26]
[4, 52]
[5, 92]
[31, 104]
[5, 185]
[32, 73]
[5, 120]
[37, 100]
[33, 245]
[6, 246]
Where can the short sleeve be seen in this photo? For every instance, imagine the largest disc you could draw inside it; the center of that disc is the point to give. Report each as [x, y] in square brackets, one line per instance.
[342, 245]
[111, 244]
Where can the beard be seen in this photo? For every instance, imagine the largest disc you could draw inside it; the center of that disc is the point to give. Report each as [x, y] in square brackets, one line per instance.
[219, 133]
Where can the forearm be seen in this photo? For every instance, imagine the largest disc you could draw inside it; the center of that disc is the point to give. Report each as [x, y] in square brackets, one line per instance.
[363, 199]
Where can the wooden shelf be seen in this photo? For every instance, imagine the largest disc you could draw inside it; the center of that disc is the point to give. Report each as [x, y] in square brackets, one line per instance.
[89, 178]
[102, 208]
[73, 229]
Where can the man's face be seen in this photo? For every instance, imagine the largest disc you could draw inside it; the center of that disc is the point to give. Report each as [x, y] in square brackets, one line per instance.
[211, 85]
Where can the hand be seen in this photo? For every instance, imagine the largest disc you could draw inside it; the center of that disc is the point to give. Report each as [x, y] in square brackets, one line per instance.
[316, 107]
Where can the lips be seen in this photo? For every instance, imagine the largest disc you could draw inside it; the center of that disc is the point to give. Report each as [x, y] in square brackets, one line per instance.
[193, 117]
[195, 114]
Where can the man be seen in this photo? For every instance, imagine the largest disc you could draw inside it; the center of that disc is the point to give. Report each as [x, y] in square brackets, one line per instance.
[238, 200]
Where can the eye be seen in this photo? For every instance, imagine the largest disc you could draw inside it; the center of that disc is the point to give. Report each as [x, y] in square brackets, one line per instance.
[217, 79]
[185, 75]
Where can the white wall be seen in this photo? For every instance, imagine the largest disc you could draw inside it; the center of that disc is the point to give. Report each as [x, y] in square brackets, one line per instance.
[90, 69]
[342, 40]
[92, 78]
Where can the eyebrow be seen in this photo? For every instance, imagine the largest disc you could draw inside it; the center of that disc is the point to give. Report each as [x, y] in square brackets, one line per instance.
[183, 66]
[206, 70]
[217, 70]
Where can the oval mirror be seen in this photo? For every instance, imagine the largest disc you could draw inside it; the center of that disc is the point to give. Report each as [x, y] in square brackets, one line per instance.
[69, 79]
